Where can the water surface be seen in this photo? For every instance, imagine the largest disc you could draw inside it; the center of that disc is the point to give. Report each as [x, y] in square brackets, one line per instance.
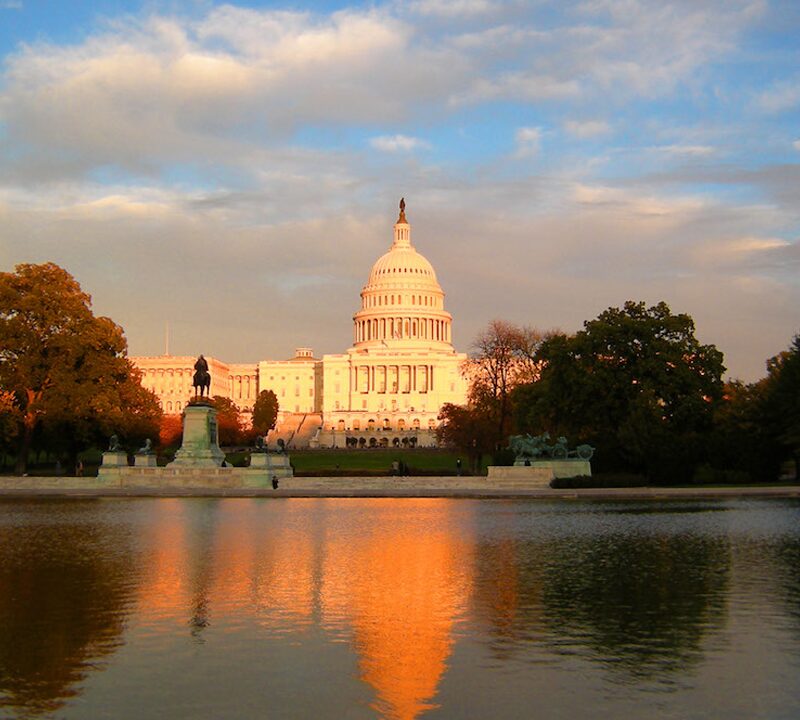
[399, 608]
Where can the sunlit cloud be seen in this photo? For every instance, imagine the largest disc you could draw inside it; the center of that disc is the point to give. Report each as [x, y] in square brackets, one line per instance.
[686, 150]
[738, 249]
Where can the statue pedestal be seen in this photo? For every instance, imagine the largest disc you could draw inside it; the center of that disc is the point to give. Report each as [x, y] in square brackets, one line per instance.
[571, 467]
[272, 463]
[115, 458]
[200, 445]
[143, 460]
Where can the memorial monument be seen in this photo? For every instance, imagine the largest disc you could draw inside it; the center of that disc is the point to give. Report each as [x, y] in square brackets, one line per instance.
[199, 462]
[536, 460]
[200, 443]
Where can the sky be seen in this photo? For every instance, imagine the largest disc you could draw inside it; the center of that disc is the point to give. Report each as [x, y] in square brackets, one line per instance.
[233, 170]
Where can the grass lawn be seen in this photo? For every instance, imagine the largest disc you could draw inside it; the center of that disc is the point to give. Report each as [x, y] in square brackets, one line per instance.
[375, 460]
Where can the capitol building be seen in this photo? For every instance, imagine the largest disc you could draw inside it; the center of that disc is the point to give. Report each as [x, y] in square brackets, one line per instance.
[383, 391]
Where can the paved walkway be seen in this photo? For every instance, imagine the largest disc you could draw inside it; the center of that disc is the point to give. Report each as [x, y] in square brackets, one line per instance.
[348, 487]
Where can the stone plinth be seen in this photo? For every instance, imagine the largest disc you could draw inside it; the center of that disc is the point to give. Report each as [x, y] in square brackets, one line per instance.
[115, 458]
[264, 466]
[571, 467]
[200, 445]
[145, 460]
[520, 476]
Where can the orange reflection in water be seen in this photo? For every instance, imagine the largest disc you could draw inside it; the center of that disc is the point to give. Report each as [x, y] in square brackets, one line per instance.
[391, 577]
[400, 587]
[265, 569]
[165, 588]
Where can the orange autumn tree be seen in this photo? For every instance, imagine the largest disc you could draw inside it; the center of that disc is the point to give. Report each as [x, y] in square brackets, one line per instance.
[65, 371]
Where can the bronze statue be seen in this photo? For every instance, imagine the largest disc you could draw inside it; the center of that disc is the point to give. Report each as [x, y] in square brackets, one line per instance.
[202, 378]
[528, 448]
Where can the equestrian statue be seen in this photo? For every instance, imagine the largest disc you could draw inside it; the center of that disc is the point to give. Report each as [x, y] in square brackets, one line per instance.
[202, 378]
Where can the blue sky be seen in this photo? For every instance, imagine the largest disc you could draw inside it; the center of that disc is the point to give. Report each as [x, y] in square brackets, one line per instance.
[557, 158]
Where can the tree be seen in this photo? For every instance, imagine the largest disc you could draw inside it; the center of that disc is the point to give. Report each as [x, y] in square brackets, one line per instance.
[504, 357]
[66, 369]
[742, 440]
[265, 412]
[782, 400]
[468, 430]
[635, 383]
[171, 431]
[229, 423]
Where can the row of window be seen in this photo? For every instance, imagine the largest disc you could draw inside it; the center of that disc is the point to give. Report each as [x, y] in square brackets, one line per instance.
[386, 425]
[421, 300]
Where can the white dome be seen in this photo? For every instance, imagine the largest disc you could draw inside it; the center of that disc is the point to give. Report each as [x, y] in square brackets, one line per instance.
[402, 266]
[402, 301]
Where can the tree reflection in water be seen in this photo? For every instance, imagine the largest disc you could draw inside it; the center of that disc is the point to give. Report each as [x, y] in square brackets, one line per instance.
[637, 597]
[642, 604]
[64, 598]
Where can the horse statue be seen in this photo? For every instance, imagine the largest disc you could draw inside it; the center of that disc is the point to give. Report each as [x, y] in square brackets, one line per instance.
[202, 378]
[527, 448]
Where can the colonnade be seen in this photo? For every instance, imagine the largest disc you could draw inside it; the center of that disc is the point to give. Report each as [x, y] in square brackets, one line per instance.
[168, 381]
[392, 379]
[243, 387]
[402, 328]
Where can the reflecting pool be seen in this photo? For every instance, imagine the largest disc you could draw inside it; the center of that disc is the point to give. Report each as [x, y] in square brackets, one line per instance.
[399, 608]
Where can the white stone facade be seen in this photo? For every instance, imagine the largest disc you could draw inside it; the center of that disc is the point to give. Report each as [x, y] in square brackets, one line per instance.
[390, 384]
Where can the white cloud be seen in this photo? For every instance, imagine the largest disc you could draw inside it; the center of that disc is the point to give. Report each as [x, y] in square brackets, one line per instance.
[10, 4]
[587, 128]
[796, 144]
[782, 96]
[518, 87]
[528, 141]
[169, 90]
[398, 143]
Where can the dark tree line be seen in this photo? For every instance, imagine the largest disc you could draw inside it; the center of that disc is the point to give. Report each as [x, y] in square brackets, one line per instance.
[637, 384]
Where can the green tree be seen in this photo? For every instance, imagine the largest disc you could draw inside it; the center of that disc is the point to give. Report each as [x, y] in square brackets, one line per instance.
[229, 421]
[265, 412]
[742, 440]
[635, 383]
[66, 369]
[782, 400]
[467, 429]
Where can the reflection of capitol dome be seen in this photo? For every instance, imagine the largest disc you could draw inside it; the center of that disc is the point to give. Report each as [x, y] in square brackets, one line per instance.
[402, 299]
